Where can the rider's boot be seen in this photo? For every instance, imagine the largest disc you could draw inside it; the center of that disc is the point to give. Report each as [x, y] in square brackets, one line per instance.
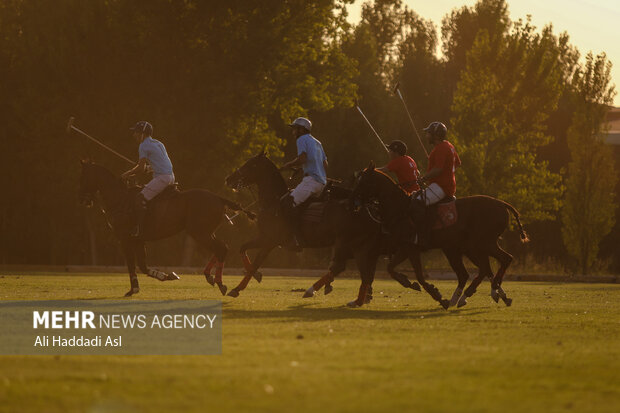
[140, 211]
[291, 215]
[420, 222]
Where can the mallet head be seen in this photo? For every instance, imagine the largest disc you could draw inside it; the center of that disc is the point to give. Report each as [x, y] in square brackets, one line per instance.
[70, 124]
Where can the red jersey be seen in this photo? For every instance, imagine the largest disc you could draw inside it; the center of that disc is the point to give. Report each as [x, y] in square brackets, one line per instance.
[406, 171]
[445, 157]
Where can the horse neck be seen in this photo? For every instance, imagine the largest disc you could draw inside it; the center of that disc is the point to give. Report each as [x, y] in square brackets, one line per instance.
[110, 187]
[393, 201]
[271, 186]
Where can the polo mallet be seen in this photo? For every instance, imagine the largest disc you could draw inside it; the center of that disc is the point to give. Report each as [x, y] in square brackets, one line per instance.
[396, 91]
[230, 219]
[70, 126]
[369, 124]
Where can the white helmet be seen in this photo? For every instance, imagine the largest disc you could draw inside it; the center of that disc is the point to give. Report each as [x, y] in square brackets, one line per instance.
[303, 122]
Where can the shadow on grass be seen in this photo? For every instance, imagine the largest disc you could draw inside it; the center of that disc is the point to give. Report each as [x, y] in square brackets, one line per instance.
[306, 312]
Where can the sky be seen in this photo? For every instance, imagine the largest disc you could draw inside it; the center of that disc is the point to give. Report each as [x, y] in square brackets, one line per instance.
[592, 25]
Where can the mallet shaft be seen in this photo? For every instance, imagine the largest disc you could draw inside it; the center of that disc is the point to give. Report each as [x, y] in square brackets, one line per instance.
[397, 89]
[373, 129]
[70, 126]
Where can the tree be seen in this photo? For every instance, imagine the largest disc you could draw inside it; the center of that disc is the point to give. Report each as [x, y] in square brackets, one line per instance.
[505, 94]
[588, 212]
[459, 30]
[217, 79]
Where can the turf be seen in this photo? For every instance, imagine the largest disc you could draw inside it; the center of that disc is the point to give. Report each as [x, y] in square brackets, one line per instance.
[557, 349]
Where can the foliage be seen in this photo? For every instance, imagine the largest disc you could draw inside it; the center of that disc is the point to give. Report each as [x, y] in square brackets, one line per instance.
[220, 80]
[508, 89]
[589, 206]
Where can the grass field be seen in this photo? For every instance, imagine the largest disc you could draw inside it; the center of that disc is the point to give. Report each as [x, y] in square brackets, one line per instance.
[557, 349]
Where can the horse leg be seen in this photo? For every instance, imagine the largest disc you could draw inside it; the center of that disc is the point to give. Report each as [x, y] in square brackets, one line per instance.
[401, 278]
[207, 270]
[366, 262]
[481, 260]
[260, 257]
[140, 251]
[325, 280]
[247, 264]
[416, 263]
[338, 265]
[505, 259]
[130, 257]
[455, 259]
[220, 250]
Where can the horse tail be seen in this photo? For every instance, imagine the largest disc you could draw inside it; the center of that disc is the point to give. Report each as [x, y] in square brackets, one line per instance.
[523, 234]
[236, 207]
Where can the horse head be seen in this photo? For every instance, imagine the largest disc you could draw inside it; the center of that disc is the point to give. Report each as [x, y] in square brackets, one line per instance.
[256, 170]
[95, 178]
[367, 186]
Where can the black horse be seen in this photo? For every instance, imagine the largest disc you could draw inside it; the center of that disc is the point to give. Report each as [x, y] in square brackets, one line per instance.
[197, 211]
[351, 234]
[481, 221]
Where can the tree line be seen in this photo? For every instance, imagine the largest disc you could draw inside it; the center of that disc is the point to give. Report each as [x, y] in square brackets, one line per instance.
[220, 80]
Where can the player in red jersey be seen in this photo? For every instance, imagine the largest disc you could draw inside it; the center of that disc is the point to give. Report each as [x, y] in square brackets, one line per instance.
[403, 166]
[440, 174]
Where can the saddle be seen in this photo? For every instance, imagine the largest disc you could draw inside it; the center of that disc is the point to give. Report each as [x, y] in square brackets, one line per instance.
[312, 209]
[169, 192]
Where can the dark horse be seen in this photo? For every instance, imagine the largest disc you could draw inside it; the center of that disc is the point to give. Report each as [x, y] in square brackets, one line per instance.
[197, 211]
[481, 221]
[351, 234]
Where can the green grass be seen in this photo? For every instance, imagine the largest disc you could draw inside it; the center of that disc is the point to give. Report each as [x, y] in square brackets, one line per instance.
[557, 349]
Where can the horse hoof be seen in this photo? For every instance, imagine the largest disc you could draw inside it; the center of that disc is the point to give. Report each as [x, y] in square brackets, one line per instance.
[258, 276]
[309, 293]
[495, 295]
[233, 293]
[172, 277]
[508, 302]
[132, 292]
[210, 279]
[368, 299]
[462, 302]
[353, 304]
[445, 304]
[223, 288]
[328, 289]
[455, 297]
[415, 286]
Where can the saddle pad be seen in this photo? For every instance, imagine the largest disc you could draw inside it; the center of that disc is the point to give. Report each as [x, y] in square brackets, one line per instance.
[446, 215]
[313, 212]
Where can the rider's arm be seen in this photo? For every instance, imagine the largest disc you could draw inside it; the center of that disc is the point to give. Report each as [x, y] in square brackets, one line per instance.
[383, 169]
[325, 164]
[139, 168]
[299, 161]
[431, 174]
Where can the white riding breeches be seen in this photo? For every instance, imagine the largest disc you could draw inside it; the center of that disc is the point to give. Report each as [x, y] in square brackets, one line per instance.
[156, 185]
[306, 188]
[433, 194]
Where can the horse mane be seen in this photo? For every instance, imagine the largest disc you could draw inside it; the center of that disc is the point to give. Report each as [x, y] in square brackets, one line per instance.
[273, 169]
[390, 180]
[108, 175]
